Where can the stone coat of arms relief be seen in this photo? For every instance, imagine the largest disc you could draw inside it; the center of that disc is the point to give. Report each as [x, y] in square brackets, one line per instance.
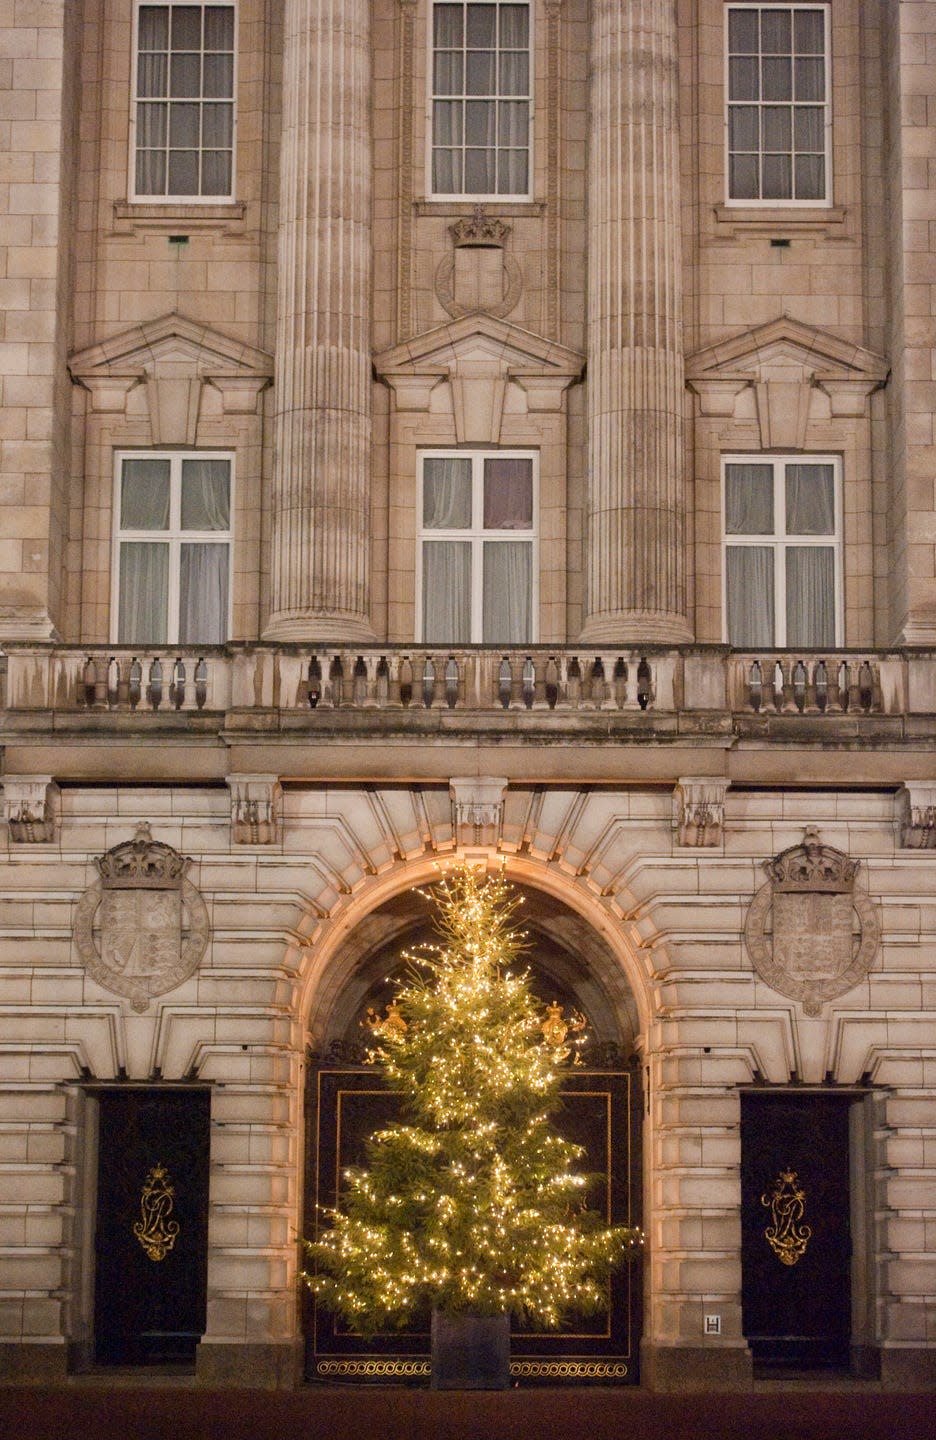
[810, 932]
[142, 928]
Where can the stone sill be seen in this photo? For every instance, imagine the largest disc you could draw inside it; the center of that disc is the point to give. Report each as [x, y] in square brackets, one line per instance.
[132, 217]
[783, 220]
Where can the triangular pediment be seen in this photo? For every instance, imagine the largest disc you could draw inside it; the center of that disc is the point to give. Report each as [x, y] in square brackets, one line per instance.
[478, 341]
[171, 344]
[786, 349]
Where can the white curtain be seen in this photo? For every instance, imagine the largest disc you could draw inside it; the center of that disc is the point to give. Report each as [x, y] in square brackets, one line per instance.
[144, 495]
[446, 592]
[810, 500]
[508, 575]
[143, 601]
[203, 594]
[749, 499]
[749, 585]
[206, 495]
[810, 586]
[446, 493]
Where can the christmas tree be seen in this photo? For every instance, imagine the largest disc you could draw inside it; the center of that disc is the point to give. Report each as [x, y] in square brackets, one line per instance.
[471, 1202]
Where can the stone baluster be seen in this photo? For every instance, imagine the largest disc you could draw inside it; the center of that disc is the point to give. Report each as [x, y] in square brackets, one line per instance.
[635, 561]
[319, 582]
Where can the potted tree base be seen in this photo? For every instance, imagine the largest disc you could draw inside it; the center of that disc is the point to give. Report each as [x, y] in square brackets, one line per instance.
[468, 1205]
[470, 1352]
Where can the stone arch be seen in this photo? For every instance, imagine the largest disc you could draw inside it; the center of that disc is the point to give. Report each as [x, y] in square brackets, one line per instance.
[580, 949]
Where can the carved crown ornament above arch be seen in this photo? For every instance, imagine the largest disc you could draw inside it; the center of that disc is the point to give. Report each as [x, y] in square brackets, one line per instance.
[142, 927]
[811, 933]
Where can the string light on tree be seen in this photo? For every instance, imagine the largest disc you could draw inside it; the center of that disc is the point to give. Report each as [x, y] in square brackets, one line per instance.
[471, 1202]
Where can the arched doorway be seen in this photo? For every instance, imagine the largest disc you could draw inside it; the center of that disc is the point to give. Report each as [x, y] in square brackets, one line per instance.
[569, 963]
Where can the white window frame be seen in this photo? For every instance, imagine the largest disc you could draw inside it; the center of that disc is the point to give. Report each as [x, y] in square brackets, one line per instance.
[145, 197]
[174, 537]
[477, 195]
[780, 541]
[477, 536]
[741, 202]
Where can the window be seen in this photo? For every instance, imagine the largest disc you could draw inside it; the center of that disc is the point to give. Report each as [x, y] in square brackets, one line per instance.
[477, 549]
[782, 553]
[172, 549]
[183, 105]
[481, 99]
[779, 113]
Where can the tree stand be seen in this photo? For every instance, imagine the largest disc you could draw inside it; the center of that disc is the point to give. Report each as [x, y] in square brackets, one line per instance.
[470, 1352]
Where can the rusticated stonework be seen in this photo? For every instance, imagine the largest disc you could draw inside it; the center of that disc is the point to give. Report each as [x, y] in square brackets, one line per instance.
[141, 929]
[811, 934]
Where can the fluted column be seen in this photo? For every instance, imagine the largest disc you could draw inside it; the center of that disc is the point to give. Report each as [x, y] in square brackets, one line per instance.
[320, 532]
[634, 541]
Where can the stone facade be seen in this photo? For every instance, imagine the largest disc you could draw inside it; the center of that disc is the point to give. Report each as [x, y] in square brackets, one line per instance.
[324, 325]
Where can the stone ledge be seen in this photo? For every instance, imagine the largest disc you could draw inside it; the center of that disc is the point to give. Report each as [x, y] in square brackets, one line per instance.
[249, 1366]
[695, 1367]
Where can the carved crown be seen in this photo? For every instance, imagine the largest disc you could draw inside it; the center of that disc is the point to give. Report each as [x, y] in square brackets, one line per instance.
[479, 229]
[142, 864]
[812, 866]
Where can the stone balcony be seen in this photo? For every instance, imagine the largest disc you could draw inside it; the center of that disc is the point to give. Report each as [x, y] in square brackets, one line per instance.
[414, 714]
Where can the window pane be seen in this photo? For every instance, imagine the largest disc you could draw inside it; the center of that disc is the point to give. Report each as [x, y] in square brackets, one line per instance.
[150, 172]
[154, 27]
[219, 27]
[447, 25]
[151, 125]
[143, 594]
[446, 494]
[447, 592]
[447, 172]
[185, 75]
[810, 500]
[742, 31]
[479, 74]
[507, 592]
[218, 126]
[515, 27]
[144, 495]
[203, 594]
[183, 125]
[186, 27]
[447, 122]
[749, 500]
[778, 178]
[508, 494]
[512, 172]
[776, 32]
[743, 80]
[480, 121]
[216, 172]
[482, 26]
[810, 79]
[744, 177]
[808, 32]
[515, 73]
[448, 73]
[749, 588]
[480, 174]
[512, 123]
[743, 128]
[183, 172]
[206, 495]
[809, 128]
[152, 75]
[810, 177]
[777, 78]
[778, 127]
[810, 582]
[218, 79]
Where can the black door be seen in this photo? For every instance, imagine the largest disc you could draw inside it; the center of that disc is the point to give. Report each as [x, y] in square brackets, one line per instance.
[796, 1240]
[601, 1111]
[152, 1226]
